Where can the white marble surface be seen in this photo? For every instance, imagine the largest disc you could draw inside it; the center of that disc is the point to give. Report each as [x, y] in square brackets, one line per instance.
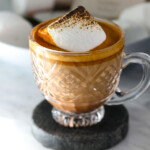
[19, 95]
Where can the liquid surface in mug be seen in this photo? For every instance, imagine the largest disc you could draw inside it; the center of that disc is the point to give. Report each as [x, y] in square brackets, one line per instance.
[42, 37]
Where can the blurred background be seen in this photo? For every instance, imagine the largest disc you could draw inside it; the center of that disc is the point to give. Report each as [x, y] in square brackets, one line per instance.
[17, 17]
[19, 94]
[132, 15]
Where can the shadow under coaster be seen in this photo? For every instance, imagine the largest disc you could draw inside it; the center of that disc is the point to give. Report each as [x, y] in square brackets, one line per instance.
[110, 131]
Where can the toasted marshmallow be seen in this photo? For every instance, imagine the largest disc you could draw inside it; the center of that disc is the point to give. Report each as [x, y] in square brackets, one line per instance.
[77, 31]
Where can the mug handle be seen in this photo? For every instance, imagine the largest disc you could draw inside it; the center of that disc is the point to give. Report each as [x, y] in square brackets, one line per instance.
[123, 96]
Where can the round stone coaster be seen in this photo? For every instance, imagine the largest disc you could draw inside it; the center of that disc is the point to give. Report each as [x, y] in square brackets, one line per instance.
[109, 132]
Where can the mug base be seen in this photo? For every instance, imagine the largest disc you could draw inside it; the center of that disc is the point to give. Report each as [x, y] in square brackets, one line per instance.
[78, 120]
[111, 130]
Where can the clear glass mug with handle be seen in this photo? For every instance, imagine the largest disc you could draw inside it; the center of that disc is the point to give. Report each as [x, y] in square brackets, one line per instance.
[77, 85]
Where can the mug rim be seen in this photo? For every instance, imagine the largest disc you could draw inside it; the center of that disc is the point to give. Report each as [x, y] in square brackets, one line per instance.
[66, 53]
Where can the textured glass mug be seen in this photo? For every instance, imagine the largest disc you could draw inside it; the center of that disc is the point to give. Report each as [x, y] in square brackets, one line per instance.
[79, 84]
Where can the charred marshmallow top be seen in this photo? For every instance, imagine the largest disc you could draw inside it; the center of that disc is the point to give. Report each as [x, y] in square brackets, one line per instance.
[77, 31]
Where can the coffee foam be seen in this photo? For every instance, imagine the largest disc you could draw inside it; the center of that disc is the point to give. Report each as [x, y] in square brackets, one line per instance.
[77, 31]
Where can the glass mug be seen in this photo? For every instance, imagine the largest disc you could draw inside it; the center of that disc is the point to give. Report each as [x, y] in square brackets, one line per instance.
[77, 85]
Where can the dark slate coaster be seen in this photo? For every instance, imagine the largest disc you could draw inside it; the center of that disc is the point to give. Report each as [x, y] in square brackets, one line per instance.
[109, 132]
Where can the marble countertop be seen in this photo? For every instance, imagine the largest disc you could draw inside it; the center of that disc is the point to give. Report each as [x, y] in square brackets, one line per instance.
[19, 95]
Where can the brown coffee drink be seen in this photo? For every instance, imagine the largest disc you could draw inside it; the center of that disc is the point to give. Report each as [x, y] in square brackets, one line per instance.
[77, 82]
